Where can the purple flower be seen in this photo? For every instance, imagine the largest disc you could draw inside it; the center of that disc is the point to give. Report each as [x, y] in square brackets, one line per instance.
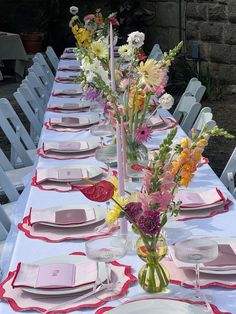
[133, 210]
[93, 94]
[149, 222]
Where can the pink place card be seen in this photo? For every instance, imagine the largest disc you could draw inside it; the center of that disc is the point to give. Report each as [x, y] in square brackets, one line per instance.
[61, 174]
[69, 216]
[67, 105]
[156, 120]
[46, 276]
[69, 68]
[69, 121]
[67, 92]
[197, 199]
[65, 146]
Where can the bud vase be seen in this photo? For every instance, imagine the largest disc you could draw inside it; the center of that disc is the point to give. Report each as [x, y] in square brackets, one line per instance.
[137, 158]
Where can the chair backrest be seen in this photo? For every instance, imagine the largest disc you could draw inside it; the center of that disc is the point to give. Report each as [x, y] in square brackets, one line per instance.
[39, 72]
[52, 57]
[8, 188]
[186, 112]
[228, 174]
[204, 119]
[195, 88]
[156, 53]
[39, 58]
[16, 133]
[38, 90]
[31, 110]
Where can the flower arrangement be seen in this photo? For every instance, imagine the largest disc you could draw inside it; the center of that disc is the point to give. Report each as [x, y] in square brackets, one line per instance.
[93, 27]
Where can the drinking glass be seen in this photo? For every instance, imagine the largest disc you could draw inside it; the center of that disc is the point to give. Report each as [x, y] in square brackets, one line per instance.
[108, 155]
[102, 130]
[197, 251]
[98, 107]
[107, 249]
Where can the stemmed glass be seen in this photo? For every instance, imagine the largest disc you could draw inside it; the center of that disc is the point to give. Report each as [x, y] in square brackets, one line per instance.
[102, 130]
[107, 249]
[107, 155]
[197, 251]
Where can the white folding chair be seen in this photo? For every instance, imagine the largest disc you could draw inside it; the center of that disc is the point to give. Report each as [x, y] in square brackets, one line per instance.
[156, 53]
[187, 112]
[203, 120]
[39, 72]
[37, 88]
[39, 58]
[228, 174]
[196, 89]
[5, 223]
[23, 149]
[31, 109]
[52, 57]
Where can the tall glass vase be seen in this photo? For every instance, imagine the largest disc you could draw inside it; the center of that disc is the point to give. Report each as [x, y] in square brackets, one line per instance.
[137, 157]
[153, 277]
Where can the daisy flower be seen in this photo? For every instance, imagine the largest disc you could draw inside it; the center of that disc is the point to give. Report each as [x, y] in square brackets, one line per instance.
[143, 134]
[125, 52]
[99, 49]
[150, 73]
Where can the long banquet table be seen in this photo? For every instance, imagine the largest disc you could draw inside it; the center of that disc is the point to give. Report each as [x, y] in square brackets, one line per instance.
[28, 250]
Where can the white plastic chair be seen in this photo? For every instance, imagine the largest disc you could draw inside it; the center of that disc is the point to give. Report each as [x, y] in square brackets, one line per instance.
[22, 145]
[187, 111]
[37, 88]
[39, 72]
[204, 119]
[31, 109]
[39, 58]
[196, 89]
[156, 53]
[52, 57]
[228, 174]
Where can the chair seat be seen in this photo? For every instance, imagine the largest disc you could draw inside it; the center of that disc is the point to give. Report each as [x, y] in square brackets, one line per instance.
[8, 208]
[16, 176]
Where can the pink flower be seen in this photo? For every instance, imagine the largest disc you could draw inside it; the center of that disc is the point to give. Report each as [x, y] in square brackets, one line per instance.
[144, 201]
[133, 211]
[123, 84]
[89, 17]
[146, 181]
[159, 90]
[167, 181]
[143, 134]
[113, 21]
[161, 198]
[149, 222]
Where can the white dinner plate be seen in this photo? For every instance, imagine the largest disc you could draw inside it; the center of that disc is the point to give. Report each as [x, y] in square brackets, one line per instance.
[100, 213]
[91, 146]
[156, 306]
[74, 259]
[205, 206]
[72, 91]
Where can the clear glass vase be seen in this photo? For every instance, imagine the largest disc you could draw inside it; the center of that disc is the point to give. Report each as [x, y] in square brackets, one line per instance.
[137, 158]
[153, 277]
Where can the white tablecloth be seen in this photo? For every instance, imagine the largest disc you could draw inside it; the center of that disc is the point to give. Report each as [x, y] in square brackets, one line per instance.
[28, 250]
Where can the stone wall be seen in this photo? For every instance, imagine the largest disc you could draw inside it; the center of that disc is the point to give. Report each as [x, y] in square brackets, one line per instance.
[212, 25]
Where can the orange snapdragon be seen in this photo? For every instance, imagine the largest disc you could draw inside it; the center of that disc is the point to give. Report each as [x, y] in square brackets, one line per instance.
[138, 104]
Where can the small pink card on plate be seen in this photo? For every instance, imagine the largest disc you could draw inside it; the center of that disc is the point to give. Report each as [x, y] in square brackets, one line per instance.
[61, 174]
[69, 121]
[192, 199]
[156, 121]
[62, 217]
[69, 68]
[68, 56]
[67, 105]
[65, 146]
[55, 275]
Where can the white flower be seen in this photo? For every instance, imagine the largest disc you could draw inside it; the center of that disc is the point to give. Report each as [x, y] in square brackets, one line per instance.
[136, 39]
[166, 101]
[125, 52]
[74, 10]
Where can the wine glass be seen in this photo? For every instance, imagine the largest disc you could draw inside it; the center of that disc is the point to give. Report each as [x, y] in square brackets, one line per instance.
[108, 249]
[107, 155]
[98, 107]
[102, 130]
[197, 251]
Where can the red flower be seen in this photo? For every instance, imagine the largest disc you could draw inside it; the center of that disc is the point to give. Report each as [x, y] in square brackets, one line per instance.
[149, 222]
[99, 192]
[142, 56]
[114, 21]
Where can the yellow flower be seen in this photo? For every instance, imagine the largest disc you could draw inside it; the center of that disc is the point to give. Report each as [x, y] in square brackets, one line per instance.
[139, 95]
[185, 143]
[201, 143]
[113, 214]
[82, 35]
[114, 181]
[99, 49]
[149, 73]
[125, 52]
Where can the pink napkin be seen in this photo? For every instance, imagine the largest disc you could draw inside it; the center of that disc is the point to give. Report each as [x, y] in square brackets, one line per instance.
[69, 50]
[68, 56]
[55, 275]
[226, 257]
[65, 146]
[66, 79]
[192, 199]
[69, 68]
[69, 121]
[67, 92]
[62, 217]
[68, 105]
[156, 121]
[60, 174]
